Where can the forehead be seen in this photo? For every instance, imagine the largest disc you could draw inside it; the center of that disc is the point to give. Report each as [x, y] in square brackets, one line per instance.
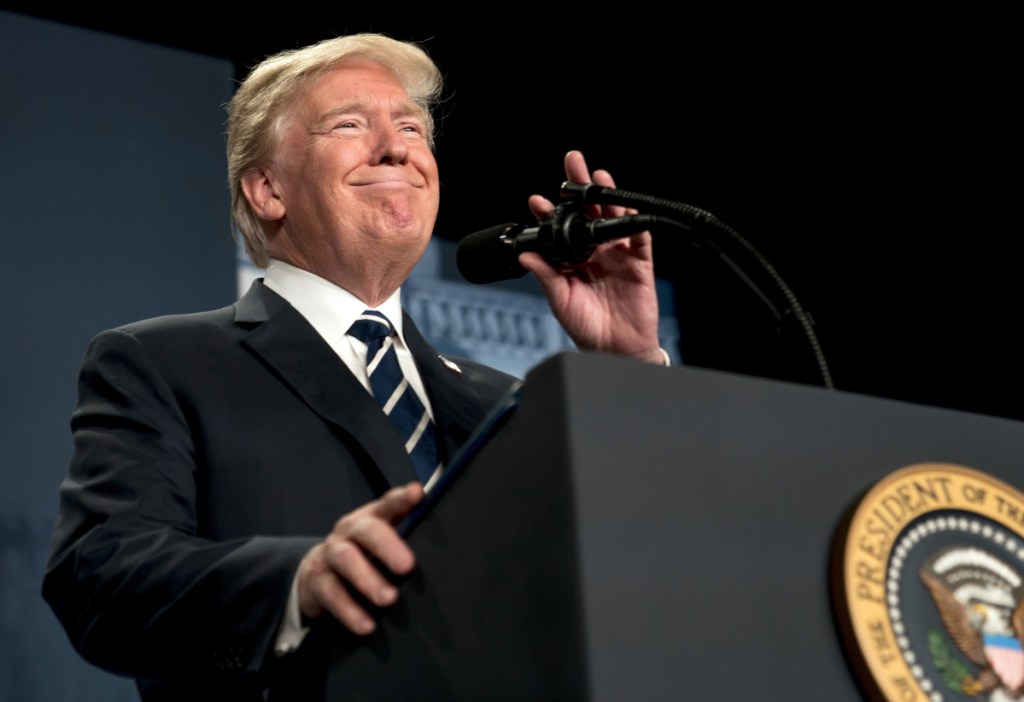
[355, 81]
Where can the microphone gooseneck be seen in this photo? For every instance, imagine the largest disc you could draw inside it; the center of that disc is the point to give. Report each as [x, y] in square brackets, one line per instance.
[591, 193]
[569, 238]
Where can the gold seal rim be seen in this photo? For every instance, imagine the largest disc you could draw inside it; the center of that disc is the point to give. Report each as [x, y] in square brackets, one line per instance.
[859, 584]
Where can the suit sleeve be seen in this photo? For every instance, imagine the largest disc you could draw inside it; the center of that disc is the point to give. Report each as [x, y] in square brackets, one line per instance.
[138, 590]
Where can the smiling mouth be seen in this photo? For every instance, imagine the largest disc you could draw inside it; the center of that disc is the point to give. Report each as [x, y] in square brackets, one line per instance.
[394, 183]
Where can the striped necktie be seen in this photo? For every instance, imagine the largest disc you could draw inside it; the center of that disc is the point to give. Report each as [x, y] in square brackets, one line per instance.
[394, 394]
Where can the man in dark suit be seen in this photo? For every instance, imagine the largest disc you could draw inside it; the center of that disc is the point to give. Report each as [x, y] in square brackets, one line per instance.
[214, 450]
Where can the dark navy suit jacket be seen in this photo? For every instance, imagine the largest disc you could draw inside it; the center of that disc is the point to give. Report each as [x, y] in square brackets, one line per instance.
[211, 451]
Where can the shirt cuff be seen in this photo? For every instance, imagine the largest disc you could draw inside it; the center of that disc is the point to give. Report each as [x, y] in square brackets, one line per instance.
[291, 632]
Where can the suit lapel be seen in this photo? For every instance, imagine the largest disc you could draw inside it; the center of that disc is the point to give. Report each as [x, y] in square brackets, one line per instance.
[456, 404]
[301, 358]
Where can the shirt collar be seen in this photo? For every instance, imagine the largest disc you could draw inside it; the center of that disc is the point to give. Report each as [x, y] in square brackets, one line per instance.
[328, 307]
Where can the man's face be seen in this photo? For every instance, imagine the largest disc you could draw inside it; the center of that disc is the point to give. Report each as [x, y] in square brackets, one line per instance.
[355, 176]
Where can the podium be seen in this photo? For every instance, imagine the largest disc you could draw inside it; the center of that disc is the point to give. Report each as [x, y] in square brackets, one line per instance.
[633, 532]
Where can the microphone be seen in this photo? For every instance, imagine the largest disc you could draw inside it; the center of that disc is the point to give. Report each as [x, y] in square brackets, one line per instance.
[568, 237]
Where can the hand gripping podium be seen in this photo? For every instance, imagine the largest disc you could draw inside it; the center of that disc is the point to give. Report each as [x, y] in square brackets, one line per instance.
[633, 532]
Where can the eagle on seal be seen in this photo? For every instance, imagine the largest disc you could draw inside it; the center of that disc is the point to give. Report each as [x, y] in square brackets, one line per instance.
[977, 596]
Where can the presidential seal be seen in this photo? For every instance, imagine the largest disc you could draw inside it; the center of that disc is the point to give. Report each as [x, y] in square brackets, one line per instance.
[927, 587]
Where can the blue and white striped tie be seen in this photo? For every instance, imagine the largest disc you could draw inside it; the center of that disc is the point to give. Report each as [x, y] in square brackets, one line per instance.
[394, 394]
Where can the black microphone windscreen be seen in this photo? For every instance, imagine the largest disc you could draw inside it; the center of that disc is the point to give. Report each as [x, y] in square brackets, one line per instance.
[488, 256]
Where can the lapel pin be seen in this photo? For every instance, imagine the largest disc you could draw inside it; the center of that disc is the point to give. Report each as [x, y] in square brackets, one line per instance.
[452, 365]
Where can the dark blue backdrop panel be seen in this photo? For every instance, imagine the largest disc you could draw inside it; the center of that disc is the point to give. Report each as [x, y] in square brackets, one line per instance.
[115, 207]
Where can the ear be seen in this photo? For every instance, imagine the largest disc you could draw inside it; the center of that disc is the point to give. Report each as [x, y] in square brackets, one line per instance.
[260, 190]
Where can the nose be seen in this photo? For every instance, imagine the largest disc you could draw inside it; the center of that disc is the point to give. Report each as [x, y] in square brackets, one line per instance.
[391, 146]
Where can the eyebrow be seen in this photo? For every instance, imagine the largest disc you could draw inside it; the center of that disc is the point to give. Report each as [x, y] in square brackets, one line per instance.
[405, 109]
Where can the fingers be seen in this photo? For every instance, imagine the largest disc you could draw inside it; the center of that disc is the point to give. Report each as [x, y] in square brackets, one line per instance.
[347, 561]
[541, 207]
[544, 273]
[576, 170]
[321, 588]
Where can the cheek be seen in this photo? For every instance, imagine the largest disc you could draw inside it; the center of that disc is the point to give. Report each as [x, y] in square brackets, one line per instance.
[423, 158]
[430, 175]
[321, 180]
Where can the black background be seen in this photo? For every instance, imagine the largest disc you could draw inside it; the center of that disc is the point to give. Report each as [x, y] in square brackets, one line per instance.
[872, 159]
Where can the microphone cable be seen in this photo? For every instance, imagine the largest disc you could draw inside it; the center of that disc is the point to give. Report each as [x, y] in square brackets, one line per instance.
[590, 193]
